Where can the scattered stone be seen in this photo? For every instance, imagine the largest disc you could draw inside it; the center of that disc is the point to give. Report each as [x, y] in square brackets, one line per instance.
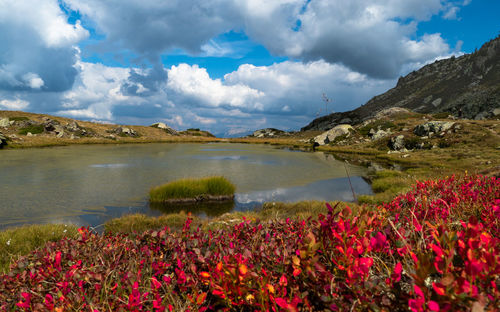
[164, 127]
[29, 134]
[431, 127]
[74, 137]
[333, 133]
[111, 137]
[4, 122]
[405, 155]
[268, 132]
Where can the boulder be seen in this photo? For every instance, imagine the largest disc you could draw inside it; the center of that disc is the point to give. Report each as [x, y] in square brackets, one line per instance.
[164, 127]
[76, 128]
[124, 131]
[431, 127]
[379, 134]
[333, 133]
[50, 125]
[397, 143]
[268, 132]
[4, 122]
[3, 140]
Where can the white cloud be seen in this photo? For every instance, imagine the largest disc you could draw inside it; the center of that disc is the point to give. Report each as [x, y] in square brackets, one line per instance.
[37, 46]
[16, 104]
[195, 83]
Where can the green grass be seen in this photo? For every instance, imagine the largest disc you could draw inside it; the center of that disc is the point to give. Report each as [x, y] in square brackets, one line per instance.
[138, 223]
[191, 188]
[21, 241]
[34, 129]
[17, 118]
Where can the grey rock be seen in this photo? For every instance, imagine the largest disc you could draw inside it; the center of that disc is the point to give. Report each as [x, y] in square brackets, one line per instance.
[124, 131]
[431, 127]
[164, 127]
[333, 133]
[29, 134]
[4, 122]
[380, 134]
[60, 134]
[437, 102]
[496, 112]
[3, 140]
[397, 143]
[390, 112]
[50, 125]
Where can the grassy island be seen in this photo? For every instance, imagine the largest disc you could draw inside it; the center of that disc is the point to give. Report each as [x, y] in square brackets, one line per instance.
[193, 190]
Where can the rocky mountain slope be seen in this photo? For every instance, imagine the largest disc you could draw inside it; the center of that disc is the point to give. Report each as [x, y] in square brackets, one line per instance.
[467, 86]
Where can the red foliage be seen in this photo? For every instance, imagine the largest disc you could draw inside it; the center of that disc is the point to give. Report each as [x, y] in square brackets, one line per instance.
[434, 248]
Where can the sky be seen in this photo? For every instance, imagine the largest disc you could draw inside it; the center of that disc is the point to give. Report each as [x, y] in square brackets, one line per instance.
[226, 66]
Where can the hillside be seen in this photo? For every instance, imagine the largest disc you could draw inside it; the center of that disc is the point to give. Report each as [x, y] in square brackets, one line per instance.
[22, 129]
[467, 86]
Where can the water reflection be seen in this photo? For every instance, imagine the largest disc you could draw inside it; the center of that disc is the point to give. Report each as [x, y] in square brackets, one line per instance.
[201, 209]
[87, 185]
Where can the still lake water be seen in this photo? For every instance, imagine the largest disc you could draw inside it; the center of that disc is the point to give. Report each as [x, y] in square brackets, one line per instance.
[87, 185]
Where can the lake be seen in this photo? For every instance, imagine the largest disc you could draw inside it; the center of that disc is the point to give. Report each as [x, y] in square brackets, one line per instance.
[89, 184]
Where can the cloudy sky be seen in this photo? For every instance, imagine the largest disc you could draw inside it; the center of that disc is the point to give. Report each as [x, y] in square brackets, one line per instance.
[228, 66]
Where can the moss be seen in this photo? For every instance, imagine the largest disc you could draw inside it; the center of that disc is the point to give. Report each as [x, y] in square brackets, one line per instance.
[34, 129]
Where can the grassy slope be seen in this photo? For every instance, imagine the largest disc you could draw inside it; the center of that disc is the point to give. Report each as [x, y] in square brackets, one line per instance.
[146, 134]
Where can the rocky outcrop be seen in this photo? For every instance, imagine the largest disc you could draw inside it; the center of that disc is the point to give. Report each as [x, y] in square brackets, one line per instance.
[332, 134]
[124, 131]
[164, 127]
[465, 87]
[433, 127]
[268, 132]
[379, 134]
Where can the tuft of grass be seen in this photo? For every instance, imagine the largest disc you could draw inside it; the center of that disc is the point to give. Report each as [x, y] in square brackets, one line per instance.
[139, 223]
[192, 188]
[20, 241]
[34, 129]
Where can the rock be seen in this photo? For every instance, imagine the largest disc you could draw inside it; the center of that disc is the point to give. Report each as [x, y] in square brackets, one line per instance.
[74, 137]
[379, 134]
[164, 127]
[268, 132]
[437, 102]
[60, 134]
[12, 122]
[397, 143]
[50, 125]
[431, 127]
[124, 131]
[4, 122]
[29, 134]
[3, 140]
[111, 137]
[333, 133]
[496, 112]
[76, 128]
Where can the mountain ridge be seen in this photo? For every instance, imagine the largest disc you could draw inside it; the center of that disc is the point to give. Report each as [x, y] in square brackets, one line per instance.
[466, 86]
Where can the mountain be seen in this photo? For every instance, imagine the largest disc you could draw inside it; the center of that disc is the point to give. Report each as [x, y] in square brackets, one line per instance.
[467, 86]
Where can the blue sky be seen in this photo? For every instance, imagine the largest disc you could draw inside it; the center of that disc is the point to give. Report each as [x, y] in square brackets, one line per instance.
[228, 66]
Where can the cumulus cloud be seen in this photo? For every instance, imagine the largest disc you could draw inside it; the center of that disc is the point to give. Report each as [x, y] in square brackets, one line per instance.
[374, 37]
[37, 51]
[16, 104]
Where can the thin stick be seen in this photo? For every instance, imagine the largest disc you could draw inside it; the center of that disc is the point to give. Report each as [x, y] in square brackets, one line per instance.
[350, 184]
